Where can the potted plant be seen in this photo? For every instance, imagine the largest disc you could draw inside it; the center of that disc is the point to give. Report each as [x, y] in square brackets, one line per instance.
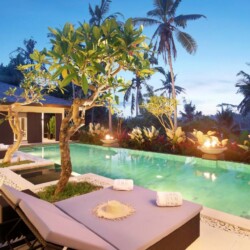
[51, 125]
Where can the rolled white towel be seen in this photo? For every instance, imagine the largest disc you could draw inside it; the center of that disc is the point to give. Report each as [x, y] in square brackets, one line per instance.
[123, 184]
[168, 199]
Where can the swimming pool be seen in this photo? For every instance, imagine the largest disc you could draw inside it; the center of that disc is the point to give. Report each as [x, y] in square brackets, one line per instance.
[219, 185]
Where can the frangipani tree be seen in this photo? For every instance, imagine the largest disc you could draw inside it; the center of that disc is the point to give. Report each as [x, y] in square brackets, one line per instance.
[90, 57]
[163, 109]
[33, 87]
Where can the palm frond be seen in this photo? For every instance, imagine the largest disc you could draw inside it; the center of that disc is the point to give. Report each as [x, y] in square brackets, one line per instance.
[160, 89]
[244, 106]
[158, 4]
[145, 21]
[104, 8]
[244, 75]
[163, 6]
[127, 95]
[140, 97]
[91, 12]
[161, 70]
[168, 6]
[155, 35]
[186, 41]
[93, 20]
[149, 88]
[155, 13]
[174, 7]
[181, 20]
[179, 90]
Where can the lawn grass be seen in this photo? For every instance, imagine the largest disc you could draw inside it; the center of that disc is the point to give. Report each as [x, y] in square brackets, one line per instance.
[72, 189]
[5, 165]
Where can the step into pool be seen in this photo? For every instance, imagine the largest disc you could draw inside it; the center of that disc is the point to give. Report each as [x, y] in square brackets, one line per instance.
[41, 174]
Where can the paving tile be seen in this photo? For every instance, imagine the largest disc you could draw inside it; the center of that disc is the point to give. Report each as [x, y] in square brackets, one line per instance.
[217, 239]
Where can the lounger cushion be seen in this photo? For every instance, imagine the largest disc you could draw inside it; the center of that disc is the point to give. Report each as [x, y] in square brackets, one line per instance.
[11, 193]
[16, 196]
[144, 228]
[61, 229]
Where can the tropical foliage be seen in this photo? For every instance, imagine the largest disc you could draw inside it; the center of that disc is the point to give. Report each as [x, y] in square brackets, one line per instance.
[99, 13]
[244, 88]
[137, 135]
[162, 108]
[21, 56]
[94, 134]
[210, 138]
[168, 24]
[166, 84]
[137, 98]
[225, 122]
[189, 113]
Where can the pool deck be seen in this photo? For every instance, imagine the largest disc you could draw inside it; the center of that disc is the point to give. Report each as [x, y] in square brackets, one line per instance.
[219, 230]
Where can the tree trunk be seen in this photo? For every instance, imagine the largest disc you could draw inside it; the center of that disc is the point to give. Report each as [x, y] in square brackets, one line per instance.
[13, 148]
[137, 102]
[110, 118]
[67, 129]
[66, 165]
[18, 133]
[173, 88]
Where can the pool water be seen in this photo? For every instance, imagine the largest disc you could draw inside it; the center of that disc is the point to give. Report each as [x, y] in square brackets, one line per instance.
[219, 185]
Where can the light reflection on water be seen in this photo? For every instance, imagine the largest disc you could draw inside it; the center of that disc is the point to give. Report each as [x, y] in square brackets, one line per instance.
[220, 185]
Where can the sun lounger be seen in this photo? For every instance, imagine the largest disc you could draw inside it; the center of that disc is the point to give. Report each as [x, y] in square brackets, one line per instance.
[53, 228]
[72, 222]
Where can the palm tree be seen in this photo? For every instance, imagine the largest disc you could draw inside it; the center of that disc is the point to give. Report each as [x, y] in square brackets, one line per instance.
[168, 24]
[190, 112]
[29, 46]
[99, 12]
[20, 56]
[225, 122]
[167, 87]
[244, 88]
[137, 98]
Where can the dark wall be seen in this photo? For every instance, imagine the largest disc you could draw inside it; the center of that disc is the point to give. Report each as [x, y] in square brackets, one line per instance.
[6, 135]
[58, 125]
[34, 127]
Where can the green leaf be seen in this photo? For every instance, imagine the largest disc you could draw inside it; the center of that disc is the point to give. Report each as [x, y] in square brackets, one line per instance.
[117, 99]
[26, 66]
[67, 80]
[147, 71]
[57, 73]
[35, 55]
[138, 40]
[122, 90]
[99, 67]
[84, 85]
[96, 32]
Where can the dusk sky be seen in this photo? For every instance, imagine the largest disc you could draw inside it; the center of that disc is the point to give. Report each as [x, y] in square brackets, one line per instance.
[209, 76]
